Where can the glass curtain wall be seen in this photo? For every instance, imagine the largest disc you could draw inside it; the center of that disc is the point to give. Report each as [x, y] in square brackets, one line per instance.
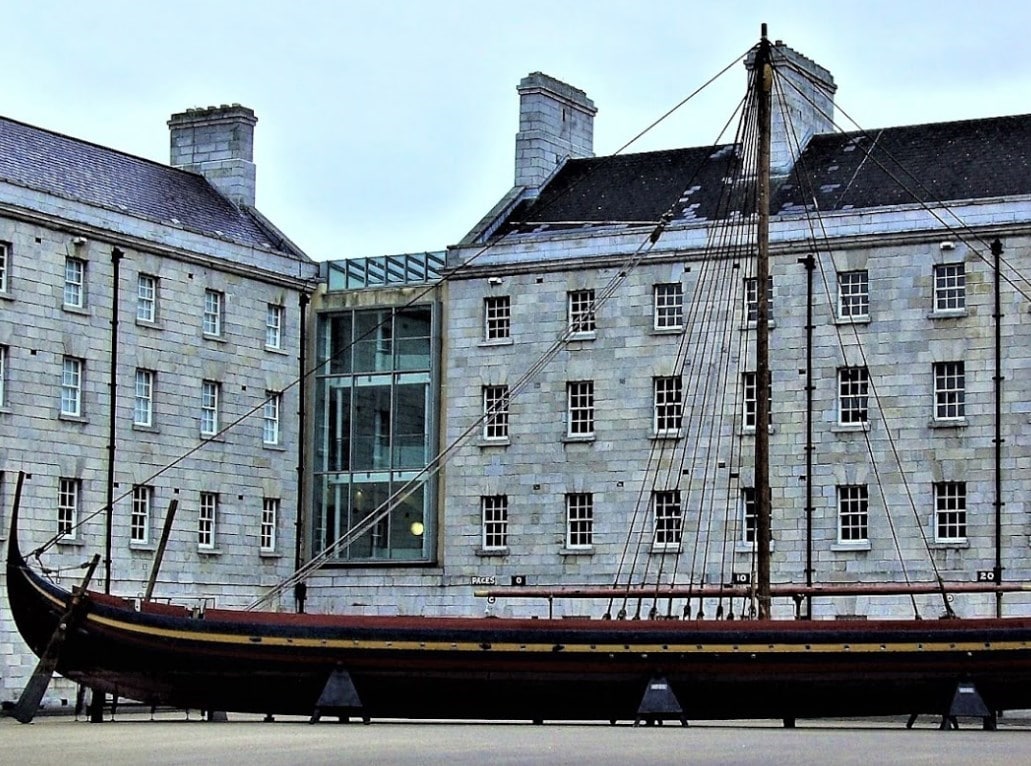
[374, 433]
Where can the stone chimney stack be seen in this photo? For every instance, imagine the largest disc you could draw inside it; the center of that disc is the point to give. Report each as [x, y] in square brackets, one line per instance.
[218, 143]
[803, 105]
[556, 121]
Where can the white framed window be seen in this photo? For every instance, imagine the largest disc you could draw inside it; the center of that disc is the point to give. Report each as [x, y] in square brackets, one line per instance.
[3, 376]
[495, 413]
[950, 511]
[274, 315]
[752, 300]
[579, 520]
[74, 282]
[580, 408]
[853, 395]
[950, 287]
[5, 266]
[749, 403]
[143, 405]
[270, 429]
[949, 391]
[71, 386]
[69, 496]
[214, 313]
[853, 513]
[494, 515]
[210, 393]
[853, 295]
[580, 312]
[749, 516]
[497, 317]
[207, 520]
[146, 298]
[269, 524]
[668, 405]
[139, 521]
[667, 519]
[668, 301]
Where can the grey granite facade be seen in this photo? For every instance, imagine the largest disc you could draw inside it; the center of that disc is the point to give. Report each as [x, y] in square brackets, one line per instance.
[90, 236]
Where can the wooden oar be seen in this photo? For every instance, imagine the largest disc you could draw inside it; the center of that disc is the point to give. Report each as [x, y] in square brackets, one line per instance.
[27, 705]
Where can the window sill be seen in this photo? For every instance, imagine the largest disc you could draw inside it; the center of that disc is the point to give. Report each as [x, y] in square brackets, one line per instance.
[270, 555]
[70, 542]
[276, 350]
[277, 447]
[213, 338]
[146, 429]
[859, 546]
[80, 419]
[80, 310]
[944, 545]
[667, 331]
[852, 320]
[209, 551]
[948, 314]
[487, 443]
[749, 548]
[850, 428]
[148, 323]
[215, 437]
[577, 551]
[578, 336]
[496, 342]
[578, 439]
[491, 552]
[665, 549]
[142, 547]
[666, 436]
[946, 424]
[751, 326]
[6, 296]
[751, 431]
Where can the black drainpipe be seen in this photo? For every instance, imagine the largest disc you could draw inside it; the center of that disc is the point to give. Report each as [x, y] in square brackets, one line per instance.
[997, 253]
[112, 383]
[810, 266]
[302, 452]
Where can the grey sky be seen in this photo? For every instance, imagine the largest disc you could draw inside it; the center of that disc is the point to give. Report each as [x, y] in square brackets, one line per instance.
[387, 126]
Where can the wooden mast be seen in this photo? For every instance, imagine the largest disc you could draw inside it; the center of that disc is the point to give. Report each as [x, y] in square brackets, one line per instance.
[763, 83]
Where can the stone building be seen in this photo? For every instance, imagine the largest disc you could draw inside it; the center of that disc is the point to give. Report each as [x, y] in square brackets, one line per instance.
[597, 372]
[152, 323]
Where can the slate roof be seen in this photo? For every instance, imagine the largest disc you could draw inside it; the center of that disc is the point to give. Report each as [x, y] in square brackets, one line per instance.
[936, 162]
[631, 189]
[78, 170]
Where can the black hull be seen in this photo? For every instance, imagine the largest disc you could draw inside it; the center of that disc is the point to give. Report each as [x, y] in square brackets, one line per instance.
[491, 668]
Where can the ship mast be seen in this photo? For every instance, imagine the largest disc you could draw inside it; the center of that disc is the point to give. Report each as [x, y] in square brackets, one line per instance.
[763, 83]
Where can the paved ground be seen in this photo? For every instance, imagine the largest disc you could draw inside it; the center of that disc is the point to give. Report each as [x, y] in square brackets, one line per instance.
[135, 740]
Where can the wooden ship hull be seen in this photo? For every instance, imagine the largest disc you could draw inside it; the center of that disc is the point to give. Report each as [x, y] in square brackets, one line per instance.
[501, 668]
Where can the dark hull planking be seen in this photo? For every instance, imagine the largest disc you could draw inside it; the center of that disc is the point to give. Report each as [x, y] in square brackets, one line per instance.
[493, 668]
